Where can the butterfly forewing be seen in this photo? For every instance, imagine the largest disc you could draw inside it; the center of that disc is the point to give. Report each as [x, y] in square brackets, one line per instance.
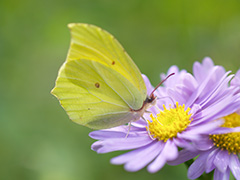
[93, 43]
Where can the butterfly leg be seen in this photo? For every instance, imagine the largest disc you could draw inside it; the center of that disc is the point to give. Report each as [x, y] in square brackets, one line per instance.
[149, 134]
[129, 127]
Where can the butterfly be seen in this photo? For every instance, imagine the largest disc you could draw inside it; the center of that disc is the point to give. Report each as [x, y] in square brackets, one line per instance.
[99, 85]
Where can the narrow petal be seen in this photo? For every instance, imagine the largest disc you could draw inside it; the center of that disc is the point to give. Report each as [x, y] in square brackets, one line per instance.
[117, 144]
[140, 124]
[176, 95]
[190, 82]
[221, 160]
[129, 156]
[224, 130]
[100, 135]
[236, 80]
[204, 143]
[216, 92]
[235, 166]
[198, 91]
[199, 72]
[207, 127]
[184, 144]
[209, 163]
[198, 166]
[171, 82]
[213, 111]
[207, 63]
[116, 132]
[183, 156]
[195, 108]
[218, 175]
[169, 152]
[142, 158]
[188, 136]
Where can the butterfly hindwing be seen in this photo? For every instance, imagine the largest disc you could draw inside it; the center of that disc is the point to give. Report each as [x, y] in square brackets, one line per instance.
[95, 95]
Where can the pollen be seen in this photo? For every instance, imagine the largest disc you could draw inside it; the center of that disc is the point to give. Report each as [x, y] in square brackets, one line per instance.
[229, 141]
[169, 122]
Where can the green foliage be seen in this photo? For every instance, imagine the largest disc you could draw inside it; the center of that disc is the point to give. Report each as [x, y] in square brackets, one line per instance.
[38, 141]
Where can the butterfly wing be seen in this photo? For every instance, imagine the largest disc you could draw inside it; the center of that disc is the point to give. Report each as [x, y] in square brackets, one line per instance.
[99, 84]
[95, 95]
[93, 43]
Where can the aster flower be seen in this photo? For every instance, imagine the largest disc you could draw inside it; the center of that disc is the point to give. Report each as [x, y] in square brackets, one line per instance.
[185, 109]
[220, 150]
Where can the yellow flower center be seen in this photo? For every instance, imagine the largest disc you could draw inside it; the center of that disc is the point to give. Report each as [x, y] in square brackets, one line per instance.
[169, 122]
[230, 141]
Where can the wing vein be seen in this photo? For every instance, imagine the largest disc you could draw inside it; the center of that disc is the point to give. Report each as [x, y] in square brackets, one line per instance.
[114, 89]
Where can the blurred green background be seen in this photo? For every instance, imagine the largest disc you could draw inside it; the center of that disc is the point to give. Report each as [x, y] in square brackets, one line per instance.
[38, 141]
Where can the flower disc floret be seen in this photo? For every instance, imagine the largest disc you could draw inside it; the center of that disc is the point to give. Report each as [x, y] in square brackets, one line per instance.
[169, 122]
[229, 141]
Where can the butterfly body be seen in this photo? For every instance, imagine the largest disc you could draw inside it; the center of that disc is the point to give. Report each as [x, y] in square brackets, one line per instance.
[99, 86]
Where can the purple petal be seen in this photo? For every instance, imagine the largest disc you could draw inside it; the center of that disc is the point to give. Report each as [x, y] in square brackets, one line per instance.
[188, 136]
[213, 112]
[235, 166]
[208, 63]
[221, 160]
[214, 94]
[223, 130]
[206, 128]
[236, 80]
[171, 82]
[140, 158]
[100, 135]
[198, 166]
[117, 144]
[183, 156]
[198, 91]
[127, 157]
[190, 82]
[200, 71]
[184, 144]
[195, 108]
[238, 111]
[209, 163]
[140, 124]
[218, 175]
[169, 152]
[118, 132]
[204, 143]
[177, 96]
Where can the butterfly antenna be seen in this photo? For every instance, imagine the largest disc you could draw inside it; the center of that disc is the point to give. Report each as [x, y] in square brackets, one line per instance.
[152, 95]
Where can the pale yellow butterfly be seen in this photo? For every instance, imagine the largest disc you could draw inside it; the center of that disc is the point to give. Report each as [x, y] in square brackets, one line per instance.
[99, 86]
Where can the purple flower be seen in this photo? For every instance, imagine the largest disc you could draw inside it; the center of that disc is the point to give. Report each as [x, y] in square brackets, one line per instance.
[185, 109]
[219, 150]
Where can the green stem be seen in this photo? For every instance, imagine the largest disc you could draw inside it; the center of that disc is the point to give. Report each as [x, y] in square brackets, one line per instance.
[205, 176]
[188, 163]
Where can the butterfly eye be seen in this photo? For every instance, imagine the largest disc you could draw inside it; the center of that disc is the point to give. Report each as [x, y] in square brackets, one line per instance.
[113, 62]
